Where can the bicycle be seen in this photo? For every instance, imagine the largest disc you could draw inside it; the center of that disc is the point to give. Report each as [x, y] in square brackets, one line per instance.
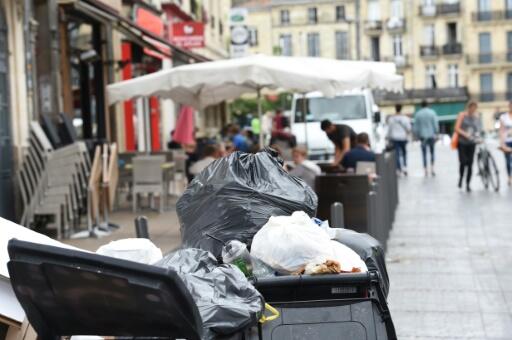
[487, 168]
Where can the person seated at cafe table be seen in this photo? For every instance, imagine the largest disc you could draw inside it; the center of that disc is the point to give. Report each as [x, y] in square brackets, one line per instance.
[304, 168]
[360, 153]
[211, 152]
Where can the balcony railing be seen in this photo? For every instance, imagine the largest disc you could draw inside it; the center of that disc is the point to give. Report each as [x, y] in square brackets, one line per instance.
[429, 51]
[439, 9]
[492, 15]
[490, 58]
[416, 96]
[396, 25]
[493, 96]
[373, 25]
[400, 61]
[487, 97]
[452, 48]
[323, 18]
[448, 8]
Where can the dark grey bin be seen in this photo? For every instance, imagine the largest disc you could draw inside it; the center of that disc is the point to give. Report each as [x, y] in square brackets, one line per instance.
[346, 306]
[336, 320]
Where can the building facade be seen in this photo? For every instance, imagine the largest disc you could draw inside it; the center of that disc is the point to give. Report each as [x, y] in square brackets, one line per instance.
[14, 115]
[425, 41]
[489, 54]
[449, 51]
[304, 28]
[58, 56]
[214, 15]
[111, 40]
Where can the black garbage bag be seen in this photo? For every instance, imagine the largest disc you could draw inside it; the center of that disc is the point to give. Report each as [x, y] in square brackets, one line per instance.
[370, 250]
[235, 196]
[226, 300]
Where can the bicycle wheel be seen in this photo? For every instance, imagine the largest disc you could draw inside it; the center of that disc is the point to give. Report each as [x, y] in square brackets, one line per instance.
[483, 168]
[494, 174]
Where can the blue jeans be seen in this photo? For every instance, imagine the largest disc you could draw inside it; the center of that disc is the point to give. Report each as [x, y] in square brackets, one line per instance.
[401, 153]
[508, 159]
[428, 144]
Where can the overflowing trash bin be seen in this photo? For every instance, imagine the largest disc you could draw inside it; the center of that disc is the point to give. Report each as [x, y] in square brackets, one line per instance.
[254, 264]
[69, 292]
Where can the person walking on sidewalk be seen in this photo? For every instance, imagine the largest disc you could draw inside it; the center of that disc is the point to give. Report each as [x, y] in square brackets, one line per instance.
[469, 129]
[426, 129]
[506, 139]
[399, 128]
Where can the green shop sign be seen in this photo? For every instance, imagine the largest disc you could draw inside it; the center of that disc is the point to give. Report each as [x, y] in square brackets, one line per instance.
[237, 18]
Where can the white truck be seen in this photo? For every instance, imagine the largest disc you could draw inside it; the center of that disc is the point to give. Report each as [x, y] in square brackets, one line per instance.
[354, 108]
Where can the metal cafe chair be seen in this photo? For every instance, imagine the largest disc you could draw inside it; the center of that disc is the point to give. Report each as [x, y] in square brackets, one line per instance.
[148, 178]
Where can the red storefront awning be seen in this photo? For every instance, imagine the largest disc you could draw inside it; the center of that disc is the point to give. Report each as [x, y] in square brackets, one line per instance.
[138, 34]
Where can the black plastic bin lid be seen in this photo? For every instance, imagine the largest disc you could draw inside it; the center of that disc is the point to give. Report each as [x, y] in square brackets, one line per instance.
[67, 292]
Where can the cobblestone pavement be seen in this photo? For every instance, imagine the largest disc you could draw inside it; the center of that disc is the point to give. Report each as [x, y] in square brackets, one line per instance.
[450, 256]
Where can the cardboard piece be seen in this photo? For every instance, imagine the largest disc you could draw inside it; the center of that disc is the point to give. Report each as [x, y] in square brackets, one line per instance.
[103, 178]
[11, 230]
[11, 312]
[23, 331]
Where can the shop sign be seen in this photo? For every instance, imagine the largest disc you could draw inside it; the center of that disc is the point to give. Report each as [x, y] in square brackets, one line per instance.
[188, 34]
[240, 34]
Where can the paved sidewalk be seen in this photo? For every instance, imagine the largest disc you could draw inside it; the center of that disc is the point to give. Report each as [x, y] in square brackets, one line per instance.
[450, 256]
[164, 228]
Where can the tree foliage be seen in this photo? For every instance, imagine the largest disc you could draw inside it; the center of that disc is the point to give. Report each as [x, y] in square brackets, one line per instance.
[244, 106]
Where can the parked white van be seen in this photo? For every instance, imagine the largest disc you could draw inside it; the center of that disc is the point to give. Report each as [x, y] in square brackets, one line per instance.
[353, 108]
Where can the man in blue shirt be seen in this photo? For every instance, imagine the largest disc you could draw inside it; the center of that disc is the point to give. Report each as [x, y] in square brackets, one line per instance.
[360, 153]
[426, 129]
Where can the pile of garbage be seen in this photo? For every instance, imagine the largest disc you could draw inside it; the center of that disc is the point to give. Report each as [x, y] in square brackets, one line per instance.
[235, 196]
[245, 217]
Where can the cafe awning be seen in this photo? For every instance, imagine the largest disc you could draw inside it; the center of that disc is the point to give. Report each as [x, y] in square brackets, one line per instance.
[446, 112]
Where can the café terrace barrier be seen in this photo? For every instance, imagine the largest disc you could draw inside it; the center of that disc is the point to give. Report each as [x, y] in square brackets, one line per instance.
[369, 205]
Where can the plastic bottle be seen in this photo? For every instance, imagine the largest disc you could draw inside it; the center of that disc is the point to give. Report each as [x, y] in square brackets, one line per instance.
[260, 269]
[235, 252]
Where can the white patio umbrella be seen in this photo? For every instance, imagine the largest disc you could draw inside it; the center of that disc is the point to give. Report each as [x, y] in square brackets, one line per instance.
[204, 84]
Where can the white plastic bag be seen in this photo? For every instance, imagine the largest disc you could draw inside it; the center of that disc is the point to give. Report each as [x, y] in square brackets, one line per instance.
[139, 250]
[289, 243]
[332, 232]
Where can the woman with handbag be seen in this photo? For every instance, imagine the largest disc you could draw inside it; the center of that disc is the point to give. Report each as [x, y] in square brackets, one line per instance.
[468, 129]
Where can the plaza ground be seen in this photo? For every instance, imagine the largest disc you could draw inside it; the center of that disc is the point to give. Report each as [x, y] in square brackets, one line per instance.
[449, 254]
